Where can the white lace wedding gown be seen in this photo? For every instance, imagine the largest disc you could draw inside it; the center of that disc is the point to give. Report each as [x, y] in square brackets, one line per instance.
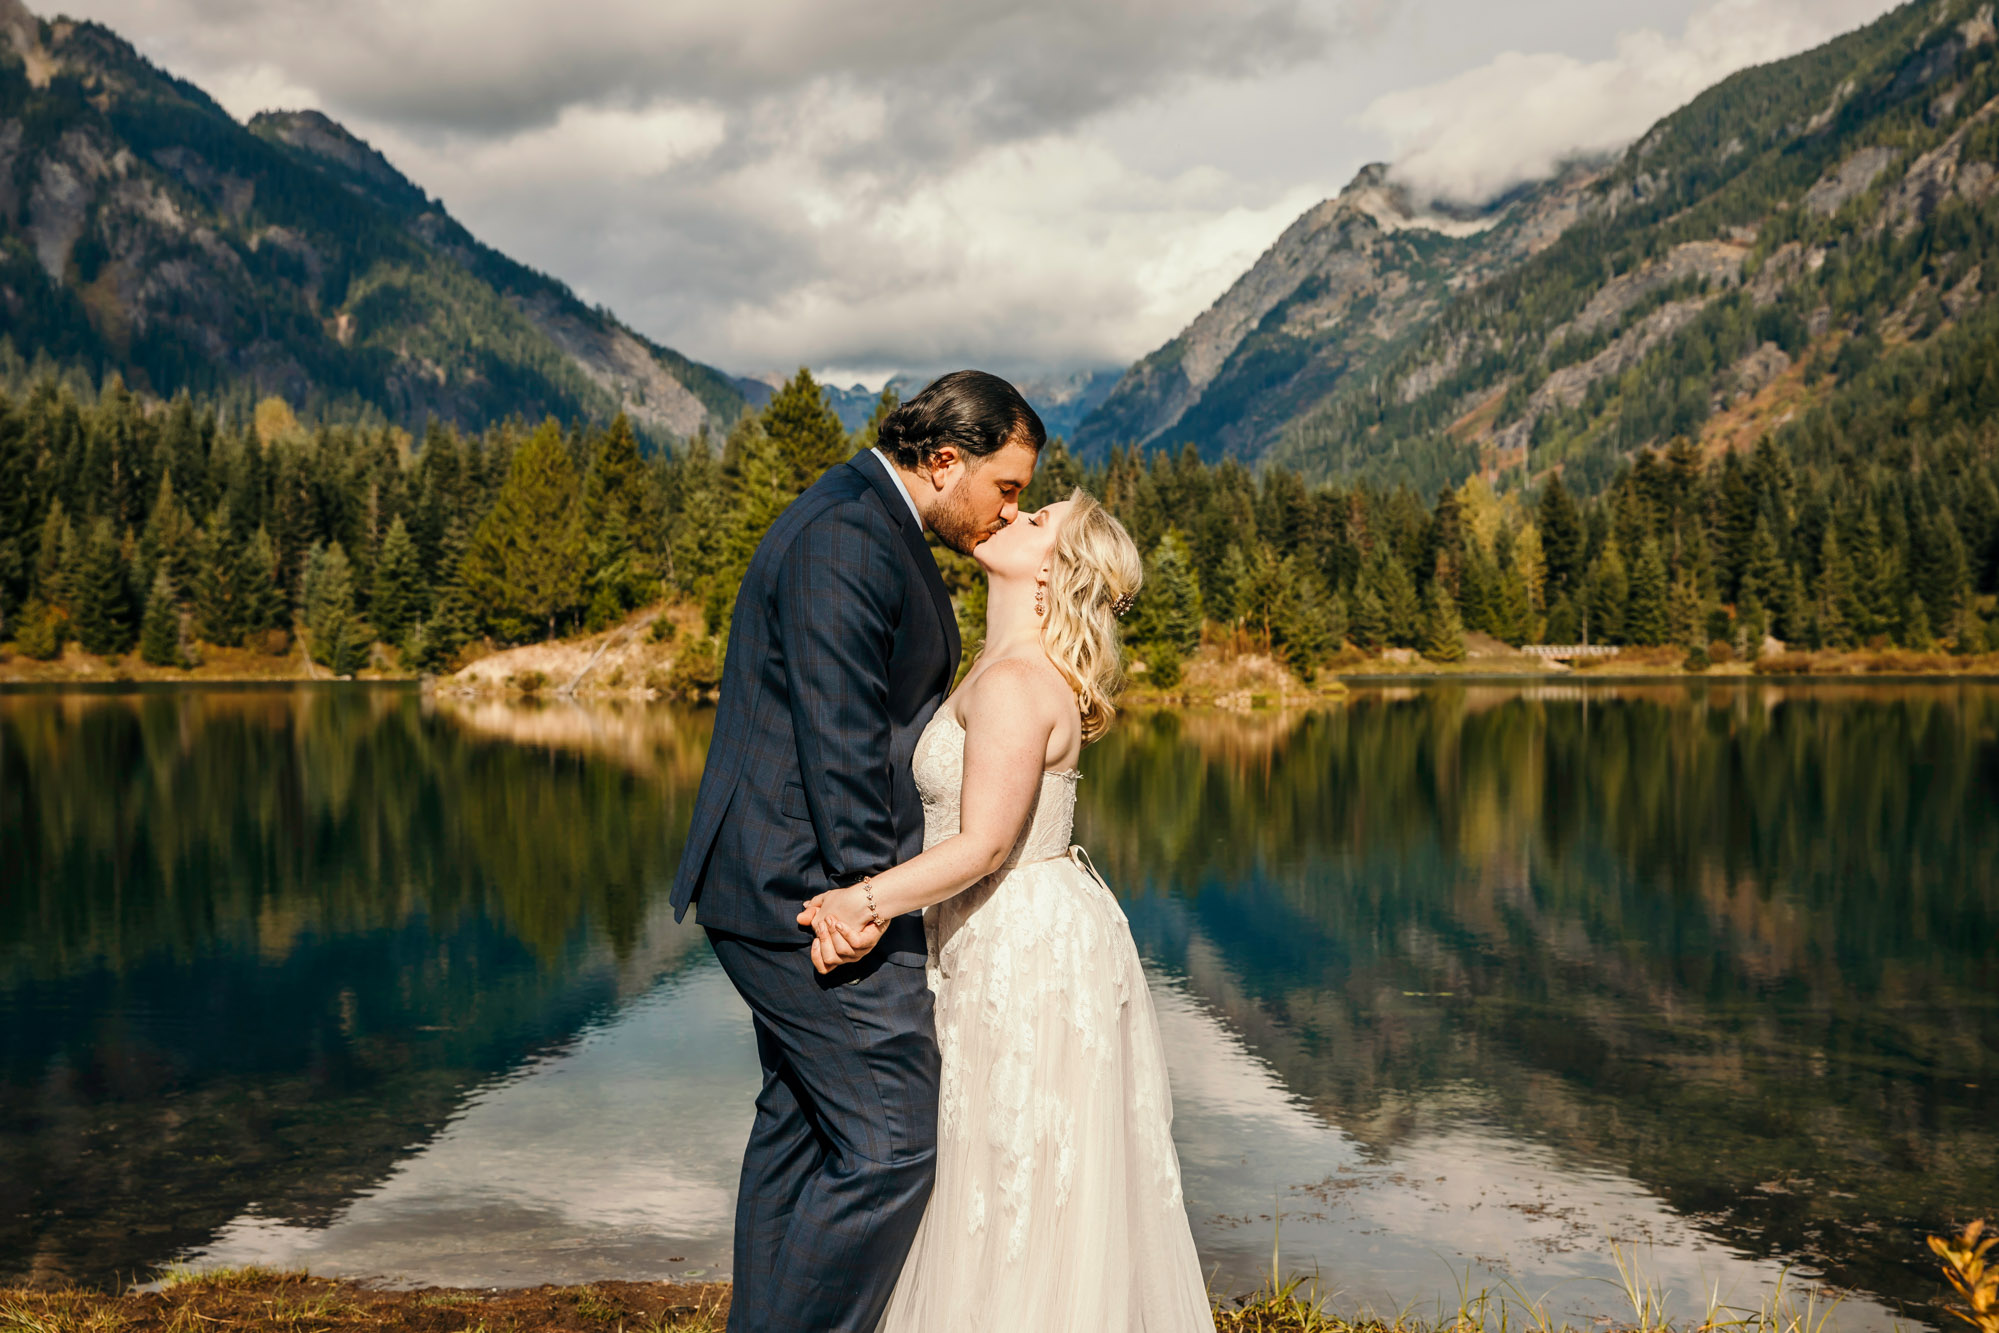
[1057, 1206]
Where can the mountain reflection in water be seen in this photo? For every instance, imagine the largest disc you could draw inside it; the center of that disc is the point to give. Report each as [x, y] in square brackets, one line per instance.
[1485, 976]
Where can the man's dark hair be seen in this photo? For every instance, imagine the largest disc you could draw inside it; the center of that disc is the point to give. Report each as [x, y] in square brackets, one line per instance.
[979, 413]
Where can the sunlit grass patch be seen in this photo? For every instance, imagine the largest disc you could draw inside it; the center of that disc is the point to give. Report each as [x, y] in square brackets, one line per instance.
[61, 1311]
[181, 1277]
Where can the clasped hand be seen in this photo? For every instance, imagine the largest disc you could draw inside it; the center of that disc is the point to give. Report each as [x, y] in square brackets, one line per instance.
[841, 929]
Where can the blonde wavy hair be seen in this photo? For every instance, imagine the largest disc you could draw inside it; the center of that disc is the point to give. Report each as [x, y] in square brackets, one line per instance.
[1094, 564]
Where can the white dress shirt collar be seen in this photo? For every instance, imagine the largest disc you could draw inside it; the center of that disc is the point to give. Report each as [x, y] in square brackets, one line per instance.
[896, 477]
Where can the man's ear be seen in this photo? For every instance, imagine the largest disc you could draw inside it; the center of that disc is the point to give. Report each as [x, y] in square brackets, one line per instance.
[941, 460]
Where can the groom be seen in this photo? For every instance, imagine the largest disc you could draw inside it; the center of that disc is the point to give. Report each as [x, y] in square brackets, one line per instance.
[843, 644]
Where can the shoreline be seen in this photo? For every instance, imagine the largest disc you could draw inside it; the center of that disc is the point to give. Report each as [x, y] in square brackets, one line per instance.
[270, 1301]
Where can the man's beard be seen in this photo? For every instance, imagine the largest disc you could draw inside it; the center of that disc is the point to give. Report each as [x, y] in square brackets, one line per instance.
[957, 526]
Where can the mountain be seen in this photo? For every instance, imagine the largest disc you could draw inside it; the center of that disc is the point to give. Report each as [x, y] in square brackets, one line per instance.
[1062, 398]
[144, 231]
[1345, 288]
[1808, 248]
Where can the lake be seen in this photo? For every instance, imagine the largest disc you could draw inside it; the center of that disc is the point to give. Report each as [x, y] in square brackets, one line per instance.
[1464, 986]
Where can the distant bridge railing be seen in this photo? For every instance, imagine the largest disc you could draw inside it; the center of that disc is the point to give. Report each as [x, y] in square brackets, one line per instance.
[1567, 651]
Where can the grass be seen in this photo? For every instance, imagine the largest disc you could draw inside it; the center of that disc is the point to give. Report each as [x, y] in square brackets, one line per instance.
[260, 1299]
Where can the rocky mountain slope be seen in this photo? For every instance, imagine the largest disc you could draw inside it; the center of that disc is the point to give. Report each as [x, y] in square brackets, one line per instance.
[1779, 255]
[145, 231]
[1343, 289]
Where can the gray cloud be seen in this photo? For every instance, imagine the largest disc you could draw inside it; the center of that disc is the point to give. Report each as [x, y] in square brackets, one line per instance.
[899, 184]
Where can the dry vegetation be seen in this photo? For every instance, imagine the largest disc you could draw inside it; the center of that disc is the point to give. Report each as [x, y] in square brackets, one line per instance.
[290, 1302]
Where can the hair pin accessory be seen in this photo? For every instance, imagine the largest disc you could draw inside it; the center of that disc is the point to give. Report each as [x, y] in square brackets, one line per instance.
[1123, 604]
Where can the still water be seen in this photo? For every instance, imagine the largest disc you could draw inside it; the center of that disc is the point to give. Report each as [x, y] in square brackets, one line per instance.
[1462, 986]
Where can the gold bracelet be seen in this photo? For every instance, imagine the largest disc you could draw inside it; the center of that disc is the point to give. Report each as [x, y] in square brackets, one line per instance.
[867, 887]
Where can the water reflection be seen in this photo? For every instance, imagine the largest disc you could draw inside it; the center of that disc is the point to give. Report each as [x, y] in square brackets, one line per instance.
[1478, 976]
[1739, 943]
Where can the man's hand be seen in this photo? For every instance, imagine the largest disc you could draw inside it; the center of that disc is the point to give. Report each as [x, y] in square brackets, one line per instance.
[841, 931]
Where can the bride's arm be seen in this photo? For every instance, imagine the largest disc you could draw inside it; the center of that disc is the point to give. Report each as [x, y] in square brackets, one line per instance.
[1010, 715]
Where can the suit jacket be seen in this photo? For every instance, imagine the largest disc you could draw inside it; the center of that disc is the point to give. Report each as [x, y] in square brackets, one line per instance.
[843, 644]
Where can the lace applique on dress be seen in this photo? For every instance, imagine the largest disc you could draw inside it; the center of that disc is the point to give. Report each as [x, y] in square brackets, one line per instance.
[1057, 1202]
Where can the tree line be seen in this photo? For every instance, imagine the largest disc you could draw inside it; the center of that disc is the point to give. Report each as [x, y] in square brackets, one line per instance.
[167, 528]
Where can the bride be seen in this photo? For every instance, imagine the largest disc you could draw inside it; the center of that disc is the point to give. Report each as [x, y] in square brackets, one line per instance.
[1057, 1202]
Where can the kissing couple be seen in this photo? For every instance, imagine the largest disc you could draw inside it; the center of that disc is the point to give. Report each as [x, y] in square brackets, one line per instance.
[964, 1123]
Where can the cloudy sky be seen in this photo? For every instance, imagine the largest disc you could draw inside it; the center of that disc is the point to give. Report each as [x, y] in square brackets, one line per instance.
[872, 185]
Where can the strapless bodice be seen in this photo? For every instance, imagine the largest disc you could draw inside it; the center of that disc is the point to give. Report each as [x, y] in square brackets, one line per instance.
[939, 769]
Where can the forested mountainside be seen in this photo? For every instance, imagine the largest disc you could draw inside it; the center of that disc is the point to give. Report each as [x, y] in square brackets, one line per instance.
[143, 231]
[1807, 249]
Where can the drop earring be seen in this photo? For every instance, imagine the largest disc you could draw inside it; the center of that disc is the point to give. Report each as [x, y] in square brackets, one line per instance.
[1040, 600]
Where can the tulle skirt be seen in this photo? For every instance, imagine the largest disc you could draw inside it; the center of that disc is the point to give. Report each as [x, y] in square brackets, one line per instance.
[1057, 1204]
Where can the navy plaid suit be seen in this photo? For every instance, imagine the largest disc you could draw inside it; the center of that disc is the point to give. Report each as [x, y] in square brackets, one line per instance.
[842, 646]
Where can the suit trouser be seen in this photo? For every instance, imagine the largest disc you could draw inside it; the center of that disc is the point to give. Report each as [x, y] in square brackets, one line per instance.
[844, 1148]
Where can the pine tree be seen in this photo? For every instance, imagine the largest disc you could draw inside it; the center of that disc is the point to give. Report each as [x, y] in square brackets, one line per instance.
[334, 634]
[1646, 621]
[1304, 628]
[1368, 625]
[169, 539]
[1402, 608]
[1609, 590]
[1513, 617]
[455, 622]
[757, 481]
[1443, 630]
[1231, 577]
[159, 634]
[617, 518]
[525, 563]
[218, 589]
[1562, 536]
[1166, 623]
[1834, 601]
[41, 631]
[100, 606]
[1876, 604]
[56, 554]
[1564, 625]
[1763, 573]
[1683, 611]
[806, 432]
[399, 590]
[264, 611]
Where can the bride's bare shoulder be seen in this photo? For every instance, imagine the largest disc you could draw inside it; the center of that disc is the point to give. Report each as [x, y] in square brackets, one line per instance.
[1011, 689]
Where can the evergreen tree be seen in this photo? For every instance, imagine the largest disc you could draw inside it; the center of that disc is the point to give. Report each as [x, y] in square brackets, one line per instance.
[1834, 601]
[456, 620]
[1609, 589]
[1369, 620]
[41, 631]
[264, 611]
[1231, 578]
[100, 607]
[870, 433]
[56, 554]
[1513, 619]
[1166, 623]
[169, 540]
[159, 634]
[1304, 628]
[1646, 619]
[334, 634]
[618, 520]
[757, 481]
[1764, 576]
[1683, 611]
[1402, 608]
[805, 432]
[525, 564]
[1561, 526]
[1443, 630]
[399, 589]
[1564, 624]
[218, 587]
